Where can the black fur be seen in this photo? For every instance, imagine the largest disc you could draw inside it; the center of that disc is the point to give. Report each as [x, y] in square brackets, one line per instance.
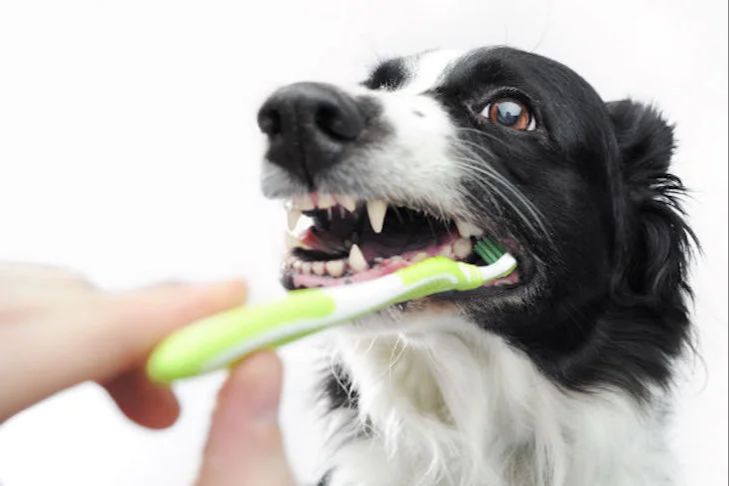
[390, 74]
[338, 389]
[607, 278]
[603, 295]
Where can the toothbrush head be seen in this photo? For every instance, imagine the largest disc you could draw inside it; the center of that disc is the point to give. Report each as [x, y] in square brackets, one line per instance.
[489, 250]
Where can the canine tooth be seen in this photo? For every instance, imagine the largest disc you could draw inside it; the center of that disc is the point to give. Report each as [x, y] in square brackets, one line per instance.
[293, 216]
[303, 203]
[290, 241]
[318, 268]
[462, 248]
[376, 210]
[297, 265]
[335, 268]
[419, 257]
[306, 267]
[325, 201]
[446, 251]
[467, 230]
[348, 202]
[356, 259]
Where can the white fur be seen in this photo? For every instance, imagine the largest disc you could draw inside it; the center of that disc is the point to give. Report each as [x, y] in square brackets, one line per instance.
[414, 166]
[426, 70]
[443, 403]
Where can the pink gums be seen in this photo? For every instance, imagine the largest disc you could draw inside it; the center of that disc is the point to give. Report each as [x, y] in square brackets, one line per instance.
[386, 267]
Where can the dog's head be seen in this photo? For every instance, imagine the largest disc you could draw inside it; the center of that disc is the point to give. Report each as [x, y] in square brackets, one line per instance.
[435, 150]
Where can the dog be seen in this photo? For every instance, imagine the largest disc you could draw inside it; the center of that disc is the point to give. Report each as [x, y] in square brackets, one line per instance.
[560, 373]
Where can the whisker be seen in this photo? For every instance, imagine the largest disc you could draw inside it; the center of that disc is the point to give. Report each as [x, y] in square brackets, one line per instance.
[472, 163]
[393, 362]
[517, 194]
[487, 184]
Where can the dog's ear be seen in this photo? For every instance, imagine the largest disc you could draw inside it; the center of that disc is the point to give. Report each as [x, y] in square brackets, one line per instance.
[657, 240]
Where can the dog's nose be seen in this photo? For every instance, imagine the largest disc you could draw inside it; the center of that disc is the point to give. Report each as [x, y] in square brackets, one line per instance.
[309, 126]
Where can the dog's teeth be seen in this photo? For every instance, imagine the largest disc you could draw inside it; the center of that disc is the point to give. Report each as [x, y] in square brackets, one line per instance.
[356, 259]
[462, 248]
[290, 240]
[297, 265]
[446, 251]
[419, 257]
[318, 268]
[335, 268]
[348, 202]
[293, 216]
[303, 203]
[306, 268]
[466, 230]
[325, 201]
[376, 210]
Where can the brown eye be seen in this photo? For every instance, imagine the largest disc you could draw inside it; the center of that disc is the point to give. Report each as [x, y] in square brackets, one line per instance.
[510, 113]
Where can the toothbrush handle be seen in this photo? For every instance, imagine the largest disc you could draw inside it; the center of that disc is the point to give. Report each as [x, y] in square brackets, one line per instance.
[222, 339]
[219, 340]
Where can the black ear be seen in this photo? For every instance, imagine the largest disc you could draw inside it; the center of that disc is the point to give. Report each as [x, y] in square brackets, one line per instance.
[657, 243]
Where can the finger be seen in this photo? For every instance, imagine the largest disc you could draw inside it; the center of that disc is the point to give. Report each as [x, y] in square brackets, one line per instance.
[99, 337]
[244, 446]
[140, 319]
[38, 274]
[29, 287]
[146, 403]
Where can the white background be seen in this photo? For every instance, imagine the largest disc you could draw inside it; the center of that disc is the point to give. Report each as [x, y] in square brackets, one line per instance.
[128, 149]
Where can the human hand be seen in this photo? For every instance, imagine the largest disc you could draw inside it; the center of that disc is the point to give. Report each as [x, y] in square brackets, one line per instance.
[244, 446]
[56, 330]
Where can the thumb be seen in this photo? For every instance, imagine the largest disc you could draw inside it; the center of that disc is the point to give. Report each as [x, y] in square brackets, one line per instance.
[244, 446]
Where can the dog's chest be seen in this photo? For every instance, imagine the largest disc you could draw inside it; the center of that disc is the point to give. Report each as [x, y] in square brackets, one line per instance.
[454, 405]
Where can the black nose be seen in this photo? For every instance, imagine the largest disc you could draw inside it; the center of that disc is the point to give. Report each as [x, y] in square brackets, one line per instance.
[309, 127]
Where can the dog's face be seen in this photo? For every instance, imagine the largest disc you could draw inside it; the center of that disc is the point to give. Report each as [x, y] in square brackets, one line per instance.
[435, 150]
[446, 147]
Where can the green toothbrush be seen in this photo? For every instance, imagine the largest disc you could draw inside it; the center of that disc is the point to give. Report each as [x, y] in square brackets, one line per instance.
[220, 340]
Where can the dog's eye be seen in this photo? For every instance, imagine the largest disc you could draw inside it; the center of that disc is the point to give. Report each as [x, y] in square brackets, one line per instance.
[510, 113]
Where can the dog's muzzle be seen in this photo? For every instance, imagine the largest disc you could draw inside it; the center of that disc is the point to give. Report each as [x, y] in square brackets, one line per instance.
[309, 126]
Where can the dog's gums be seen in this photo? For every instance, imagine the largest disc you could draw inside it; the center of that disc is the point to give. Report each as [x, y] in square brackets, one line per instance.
[336, 240]
[553, 376]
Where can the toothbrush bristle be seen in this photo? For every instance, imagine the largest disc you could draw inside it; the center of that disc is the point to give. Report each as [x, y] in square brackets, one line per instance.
[489, 250]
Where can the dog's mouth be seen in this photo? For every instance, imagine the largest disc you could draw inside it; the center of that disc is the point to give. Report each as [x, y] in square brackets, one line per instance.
[338, 240]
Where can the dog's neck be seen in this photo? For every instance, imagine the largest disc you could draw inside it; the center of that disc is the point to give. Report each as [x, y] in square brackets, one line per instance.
[445, 403]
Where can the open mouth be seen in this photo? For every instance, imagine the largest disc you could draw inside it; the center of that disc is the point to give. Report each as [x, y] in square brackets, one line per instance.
[338, 240]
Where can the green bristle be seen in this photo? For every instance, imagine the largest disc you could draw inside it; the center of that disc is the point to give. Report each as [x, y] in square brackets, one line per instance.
[488, 250]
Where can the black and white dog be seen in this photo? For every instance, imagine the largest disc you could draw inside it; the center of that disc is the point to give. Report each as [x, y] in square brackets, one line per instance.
[556, 375]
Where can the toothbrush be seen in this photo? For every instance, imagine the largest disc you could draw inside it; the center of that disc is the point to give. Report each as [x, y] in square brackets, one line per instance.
[220, 340]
